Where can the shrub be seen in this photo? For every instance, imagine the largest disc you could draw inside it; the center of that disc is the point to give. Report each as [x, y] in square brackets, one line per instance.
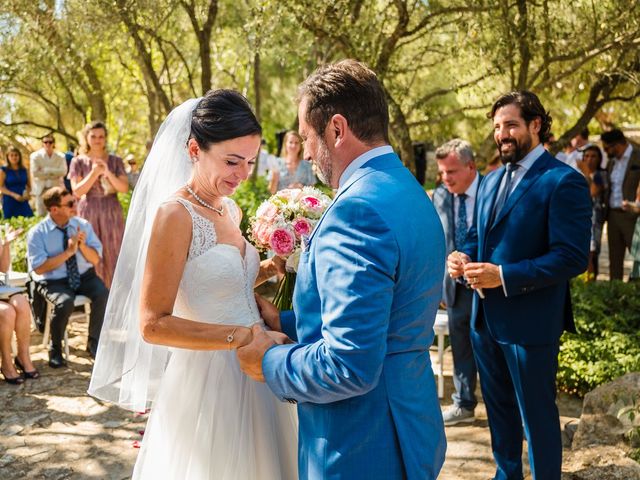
[607, 342]
[249, 195]
[19, 245]
[125, 201]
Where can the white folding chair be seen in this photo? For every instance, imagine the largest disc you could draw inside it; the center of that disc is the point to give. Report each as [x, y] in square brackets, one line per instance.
[80, 300]
[441, 329]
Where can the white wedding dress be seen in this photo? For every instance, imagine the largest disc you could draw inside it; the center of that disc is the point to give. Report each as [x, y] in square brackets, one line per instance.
[209, 421]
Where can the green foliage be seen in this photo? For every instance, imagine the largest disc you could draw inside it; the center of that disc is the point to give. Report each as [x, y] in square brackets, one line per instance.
[607, 342]
[442, 64]
[125, 201]
[19, 245]
[249, 196]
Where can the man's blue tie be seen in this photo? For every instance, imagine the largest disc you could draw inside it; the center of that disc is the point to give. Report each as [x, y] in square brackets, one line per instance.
[461, 222]
[503, 194]
[73, 274]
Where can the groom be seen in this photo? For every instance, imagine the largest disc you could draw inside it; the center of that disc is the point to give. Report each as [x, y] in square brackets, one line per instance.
[368, 286]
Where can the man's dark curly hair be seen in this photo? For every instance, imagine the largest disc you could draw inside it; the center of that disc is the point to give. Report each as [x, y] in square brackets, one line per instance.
[530, 107]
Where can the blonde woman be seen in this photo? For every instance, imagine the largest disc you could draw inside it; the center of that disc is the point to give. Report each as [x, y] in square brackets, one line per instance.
[292, 172]
[96, 177]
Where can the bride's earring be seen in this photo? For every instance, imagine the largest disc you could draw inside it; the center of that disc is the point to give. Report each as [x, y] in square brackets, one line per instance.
[194, 159]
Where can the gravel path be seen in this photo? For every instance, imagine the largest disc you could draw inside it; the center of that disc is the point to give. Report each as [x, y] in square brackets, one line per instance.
[50, 429]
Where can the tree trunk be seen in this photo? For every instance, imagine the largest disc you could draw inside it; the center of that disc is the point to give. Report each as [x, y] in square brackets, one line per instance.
[203, 34]
[400, 134]
[95, 94]
[257, 105]
[143, 57]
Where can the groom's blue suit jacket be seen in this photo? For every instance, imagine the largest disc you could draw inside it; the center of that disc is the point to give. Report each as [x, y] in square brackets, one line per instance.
[541, 240]
[365, 300]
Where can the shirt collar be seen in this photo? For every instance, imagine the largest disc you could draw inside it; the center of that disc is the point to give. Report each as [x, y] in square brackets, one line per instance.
[361, 160]
[531, 157]
[50, 225]
[627, 152]
[471, 191]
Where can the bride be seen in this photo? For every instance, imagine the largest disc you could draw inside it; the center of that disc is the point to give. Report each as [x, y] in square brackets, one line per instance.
[182, 300]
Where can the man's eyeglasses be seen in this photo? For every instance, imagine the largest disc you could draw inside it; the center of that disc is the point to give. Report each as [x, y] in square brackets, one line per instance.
[47, 142]
[69, 204]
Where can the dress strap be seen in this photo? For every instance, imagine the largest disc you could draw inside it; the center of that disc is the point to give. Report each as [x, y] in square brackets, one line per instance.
[203, 235]
[234, 210]
[186, 204]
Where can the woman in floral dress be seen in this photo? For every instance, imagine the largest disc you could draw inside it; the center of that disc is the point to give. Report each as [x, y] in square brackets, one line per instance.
[96, 178]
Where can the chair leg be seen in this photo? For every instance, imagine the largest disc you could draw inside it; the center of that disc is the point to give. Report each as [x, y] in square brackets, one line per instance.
[440, 365]
[47, 325]
[66, 345]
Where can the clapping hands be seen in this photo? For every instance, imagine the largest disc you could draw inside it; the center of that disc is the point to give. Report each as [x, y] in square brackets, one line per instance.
[11, 234]
[76, 241]
[98, 166]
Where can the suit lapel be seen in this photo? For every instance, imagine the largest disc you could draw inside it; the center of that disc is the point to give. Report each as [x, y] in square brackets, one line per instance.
[491, 184]
[537, 169]
[447, 207]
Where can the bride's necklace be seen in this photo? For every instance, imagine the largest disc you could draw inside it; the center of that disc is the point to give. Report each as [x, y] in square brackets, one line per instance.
[219, 211]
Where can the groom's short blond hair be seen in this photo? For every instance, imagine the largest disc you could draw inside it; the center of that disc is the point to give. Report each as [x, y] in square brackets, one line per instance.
[351, 89]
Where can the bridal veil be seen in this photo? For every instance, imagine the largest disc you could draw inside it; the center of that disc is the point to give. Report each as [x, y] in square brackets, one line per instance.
[128, 370]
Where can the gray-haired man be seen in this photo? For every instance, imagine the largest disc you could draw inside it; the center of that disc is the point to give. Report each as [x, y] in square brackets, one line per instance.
[455, 202]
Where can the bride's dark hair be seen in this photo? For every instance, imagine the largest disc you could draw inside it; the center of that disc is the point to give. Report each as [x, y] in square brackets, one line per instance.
[222, 115]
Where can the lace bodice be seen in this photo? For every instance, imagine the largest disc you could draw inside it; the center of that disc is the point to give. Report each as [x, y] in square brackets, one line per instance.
[217, 283]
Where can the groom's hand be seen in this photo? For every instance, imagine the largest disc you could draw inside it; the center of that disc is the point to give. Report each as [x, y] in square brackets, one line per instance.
[250, 356]
[269, 313]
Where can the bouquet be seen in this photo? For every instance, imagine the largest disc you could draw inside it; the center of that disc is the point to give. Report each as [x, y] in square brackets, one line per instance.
[281, 225]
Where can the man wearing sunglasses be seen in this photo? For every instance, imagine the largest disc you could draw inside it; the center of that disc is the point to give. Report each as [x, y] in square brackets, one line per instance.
[48, 168]
[62, 251]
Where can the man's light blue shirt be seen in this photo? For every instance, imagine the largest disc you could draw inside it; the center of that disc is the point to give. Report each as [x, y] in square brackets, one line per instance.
[45, 241]
[361, 160]
[525, 165]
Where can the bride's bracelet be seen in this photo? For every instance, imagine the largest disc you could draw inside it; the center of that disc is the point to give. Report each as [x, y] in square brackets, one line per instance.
[230, 337]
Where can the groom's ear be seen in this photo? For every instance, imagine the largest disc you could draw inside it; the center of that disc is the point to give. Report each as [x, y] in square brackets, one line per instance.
[338, 127]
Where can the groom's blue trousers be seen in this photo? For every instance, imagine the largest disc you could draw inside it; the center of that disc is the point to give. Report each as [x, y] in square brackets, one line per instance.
[518, 382]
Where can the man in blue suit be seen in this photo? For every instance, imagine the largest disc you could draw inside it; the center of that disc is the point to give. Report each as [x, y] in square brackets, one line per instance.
[455, 201]
[368, 287]
[532, 236]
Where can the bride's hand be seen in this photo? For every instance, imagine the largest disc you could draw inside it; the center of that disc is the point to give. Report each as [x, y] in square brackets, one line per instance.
[269, 313]
[279, 264]
[278, 337]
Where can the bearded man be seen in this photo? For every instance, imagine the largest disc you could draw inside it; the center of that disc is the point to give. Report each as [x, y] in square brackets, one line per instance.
[530, 237]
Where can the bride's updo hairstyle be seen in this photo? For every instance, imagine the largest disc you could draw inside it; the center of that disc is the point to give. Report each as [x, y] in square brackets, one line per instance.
[222, 115]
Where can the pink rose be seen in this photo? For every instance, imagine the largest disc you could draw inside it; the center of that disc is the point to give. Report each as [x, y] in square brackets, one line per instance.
[267, 210]
[311, 202]
[282, 242]
[261, 232]
[289, 193]
[301, 226]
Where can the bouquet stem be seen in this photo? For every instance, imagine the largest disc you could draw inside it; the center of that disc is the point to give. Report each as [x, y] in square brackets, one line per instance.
[284, 296]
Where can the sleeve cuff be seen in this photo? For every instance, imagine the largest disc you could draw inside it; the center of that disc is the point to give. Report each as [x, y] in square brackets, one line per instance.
[273, 360]
[504, 286]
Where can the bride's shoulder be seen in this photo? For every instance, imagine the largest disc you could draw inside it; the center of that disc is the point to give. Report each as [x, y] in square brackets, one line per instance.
[173, 214]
